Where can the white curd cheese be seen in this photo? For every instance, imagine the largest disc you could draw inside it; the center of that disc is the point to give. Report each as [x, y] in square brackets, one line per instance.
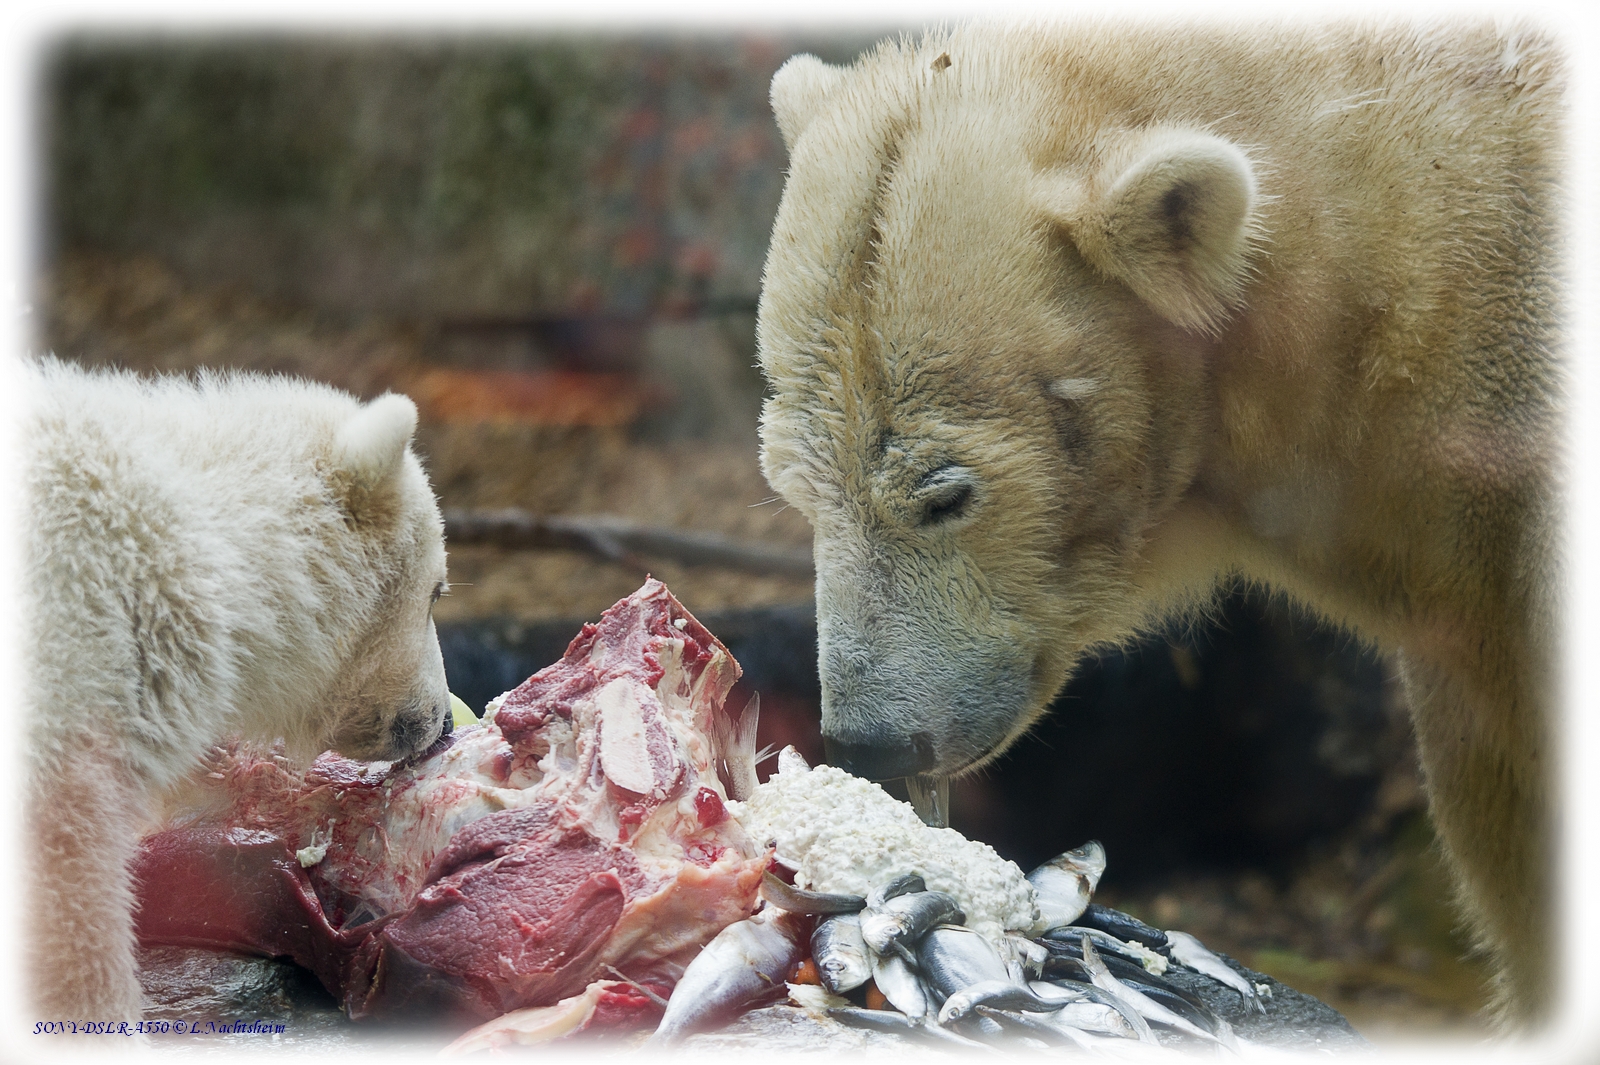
[844, 834]
[310, 856]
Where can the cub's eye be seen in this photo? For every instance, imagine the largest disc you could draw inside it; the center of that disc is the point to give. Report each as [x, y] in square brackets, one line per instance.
[947, 494]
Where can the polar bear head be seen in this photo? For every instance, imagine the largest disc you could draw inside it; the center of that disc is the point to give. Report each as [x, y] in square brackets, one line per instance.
[382, 570]
[985, 322]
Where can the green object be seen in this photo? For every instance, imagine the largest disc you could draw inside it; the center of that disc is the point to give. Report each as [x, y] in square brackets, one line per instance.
[461, 713]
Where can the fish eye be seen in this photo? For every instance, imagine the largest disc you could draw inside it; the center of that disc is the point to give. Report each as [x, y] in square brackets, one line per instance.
[947, 494]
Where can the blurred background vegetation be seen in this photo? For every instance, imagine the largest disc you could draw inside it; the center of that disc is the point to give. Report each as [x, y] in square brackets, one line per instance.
[554, 243]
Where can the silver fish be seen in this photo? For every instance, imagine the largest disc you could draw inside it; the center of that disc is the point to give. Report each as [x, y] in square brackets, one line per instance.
[1028, 954]
[1054, 1031]
[1068, 993]
[1190, 953]
[841, 954]
[1033, 1029]
[1125, 926]
[988, 1027]
[1148, 959]
[1093, 1017]
[953, 958]
[792, 761]
[746, 962]
[1064, 884]
[812, 903]
[901, 1025]
[1118, 990]
[903, 884]
[999, 994]
[905, 917]
[900, 985]
[1060, 994]
[1148, 1008]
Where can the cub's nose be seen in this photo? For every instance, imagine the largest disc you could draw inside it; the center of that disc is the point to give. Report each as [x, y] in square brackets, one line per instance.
[449, 721]
[881, 756]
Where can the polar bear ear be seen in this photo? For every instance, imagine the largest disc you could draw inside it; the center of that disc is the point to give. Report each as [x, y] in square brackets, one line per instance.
[798, 90]
[1172, 214]
[368, 449]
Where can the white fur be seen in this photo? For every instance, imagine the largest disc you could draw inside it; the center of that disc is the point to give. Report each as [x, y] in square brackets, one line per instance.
[1330, 364]
[1172, 214]
[798, 89]
[370, 445]
[230, 555]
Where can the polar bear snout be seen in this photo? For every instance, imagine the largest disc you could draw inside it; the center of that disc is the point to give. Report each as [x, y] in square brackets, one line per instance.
[891, 736]
[417, 720]
[922, 707]
[387, 730]
[881, 755]
[415, 729]
[393, 700]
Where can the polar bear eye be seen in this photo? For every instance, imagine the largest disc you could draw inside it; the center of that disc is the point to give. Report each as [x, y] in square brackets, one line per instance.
[947, 494]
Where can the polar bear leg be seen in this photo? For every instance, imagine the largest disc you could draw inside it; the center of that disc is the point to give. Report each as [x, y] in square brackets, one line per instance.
[84, 816]
[1486, 768]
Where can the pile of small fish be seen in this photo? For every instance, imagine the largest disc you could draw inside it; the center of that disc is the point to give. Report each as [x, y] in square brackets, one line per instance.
[901, 960]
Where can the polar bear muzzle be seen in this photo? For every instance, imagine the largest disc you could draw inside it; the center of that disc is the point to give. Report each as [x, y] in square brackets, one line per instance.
[419, 727]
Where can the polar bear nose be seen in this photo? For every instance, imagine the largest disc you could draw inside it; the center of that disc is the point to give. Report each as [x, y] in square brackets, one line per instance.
[449, 722]
[879, 756]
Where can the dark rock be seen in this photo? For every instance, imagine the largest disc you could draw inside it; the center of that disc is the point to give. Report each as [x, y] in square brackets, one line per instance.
[1292, 1021]
[180, 982]
[212, 993]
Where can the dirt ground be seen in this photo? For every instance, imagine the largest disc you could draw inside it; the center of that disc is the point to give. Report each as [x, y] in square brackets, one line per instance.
[1359, 924]
[136, 313]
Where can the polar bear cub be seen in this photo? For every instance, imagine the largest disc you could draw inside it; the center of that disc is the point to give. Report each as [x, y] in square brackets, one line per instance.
[231, 554]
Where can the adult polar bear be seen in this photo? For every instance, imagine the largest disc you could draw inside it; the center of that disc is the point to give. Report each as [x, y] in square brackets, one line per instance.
[236, 554]
[1064, 323]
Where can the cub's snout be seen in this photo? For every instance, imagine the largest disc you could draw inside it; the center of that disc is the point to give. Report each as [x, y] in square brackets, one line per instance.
[413, 732]
[396, 703]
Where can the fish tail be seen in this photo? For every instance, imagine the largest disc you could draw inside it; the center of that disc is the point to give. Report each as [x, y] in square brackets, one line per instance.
[738, 748]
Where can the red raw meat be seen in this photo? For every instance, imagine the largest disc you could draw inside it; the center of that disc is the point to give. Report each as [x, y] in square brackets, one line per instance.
[580, 826]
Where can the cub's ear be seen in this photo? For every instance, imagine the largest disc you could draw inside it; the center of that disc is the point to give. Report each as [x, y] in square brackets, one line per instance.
[1171, 214]
[798, 89]
[369, 447]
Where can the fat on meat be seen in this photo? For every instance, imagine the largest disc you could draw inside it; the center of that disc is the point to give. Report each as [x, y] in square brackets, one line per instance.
[580, 829]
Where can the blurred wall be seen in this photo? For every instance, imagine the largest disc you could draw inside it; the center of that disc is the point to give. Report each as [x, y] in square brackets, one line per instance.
[433, 178]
